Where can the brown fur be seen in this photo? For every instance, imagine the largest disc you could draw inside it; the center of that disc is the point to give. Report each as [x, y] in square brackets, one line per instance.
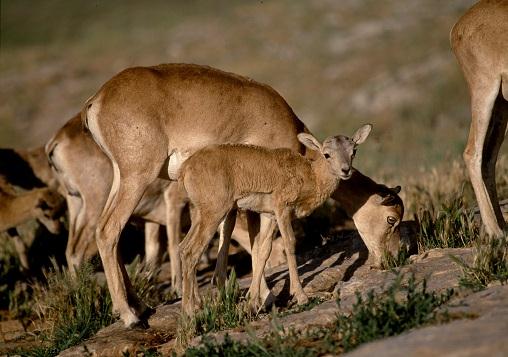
[277, 182]
[86, 173]
[40, 203]
[27, 170]
[480, 42]
[144, 115]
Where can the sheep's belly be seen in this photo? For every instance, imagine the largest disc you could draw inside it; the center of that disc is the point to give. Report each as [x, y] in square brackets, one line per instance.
[257, 202]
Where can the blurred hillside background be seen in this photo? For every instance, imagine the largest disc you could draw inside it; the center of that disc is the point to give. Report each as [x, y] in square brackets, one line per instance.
[338, 63]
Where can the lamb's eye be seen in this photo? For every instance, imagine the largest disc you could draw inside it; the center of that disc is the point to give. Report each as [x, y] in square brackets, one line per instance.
[391, 220]
[327, 156]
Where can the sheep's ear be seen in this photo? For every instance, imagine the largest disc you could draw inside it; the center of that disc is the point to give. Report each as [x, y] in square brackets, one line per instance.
[309, 141]
[395, 189]
[362, 134]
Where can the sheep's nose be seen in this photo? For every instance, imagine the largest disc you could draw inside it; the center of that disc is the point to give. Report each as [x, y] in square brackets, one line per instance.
[346, 171]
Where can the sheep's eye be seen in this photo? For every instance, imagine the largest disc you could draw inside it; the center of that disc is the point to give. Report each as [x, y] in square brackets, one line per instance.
[327, 156]
[391, 220]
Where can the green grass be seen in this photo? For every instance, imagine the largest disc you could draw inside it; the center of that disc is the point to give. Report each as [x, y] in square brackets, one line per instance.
[449, 225]
[313, 302]
[144, 281]
[490, 263]
[9, 271]
[71, 309]
[376, 317]
[388, 261]
[275, 345]
[400, 308]
[222, 310]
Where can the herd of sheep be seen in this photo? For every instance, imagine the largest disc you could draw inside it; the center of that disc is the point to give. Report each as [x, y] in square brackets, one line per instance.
[153, 139]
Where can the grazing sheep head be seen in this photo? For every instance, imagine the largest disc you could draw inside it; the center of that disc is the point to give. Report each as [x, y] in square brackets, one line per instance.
[378, 222]
[49, 210]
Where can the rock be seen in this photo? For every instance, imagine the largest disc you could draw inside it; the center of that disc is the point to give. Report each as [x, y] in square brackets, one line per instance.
[336, 269]
[11, 330]
[116, 340]
[14, 335]
[484, 335]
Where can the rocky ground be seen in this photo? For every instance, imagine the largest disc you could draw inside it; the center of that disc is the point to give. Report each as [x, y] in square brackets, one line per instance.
[339, 268]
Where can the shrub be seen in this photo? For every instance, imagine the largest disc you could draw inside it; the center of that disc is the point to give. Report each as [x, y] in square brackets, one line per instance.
[388, 261]
[384, 315]
[490, 263]
[451, 225]
[376, 316]
[222, 310]
[10, 272]
[144, 282]
[71, 308]
[429, 189]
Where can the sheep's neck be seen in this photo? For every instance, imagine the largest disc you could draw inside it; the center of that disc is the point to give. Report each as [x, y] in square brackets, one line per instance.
[325, 183]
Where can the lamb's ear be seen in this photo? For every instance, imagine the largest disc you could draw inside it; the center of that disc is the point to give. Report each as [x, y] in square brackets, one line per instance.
[309, 141]
[362, 134]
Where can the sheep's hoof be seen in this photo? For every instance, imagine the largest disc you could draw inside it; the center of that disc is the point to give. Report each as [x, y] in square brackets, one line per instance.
[255, 305]
[130, 321]
[139, 325]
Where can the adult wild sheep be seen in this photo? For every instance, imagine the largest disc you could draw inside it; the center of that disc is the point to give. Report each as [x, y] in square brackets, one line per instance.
[147, 120]
[279, 183]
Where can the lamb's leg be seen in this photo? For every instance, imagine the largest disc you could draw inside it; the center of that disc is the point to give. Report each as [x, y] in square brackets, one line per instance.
[204, 225]
[284, 221]
[225, 231]
[261, 248]
[246, 237]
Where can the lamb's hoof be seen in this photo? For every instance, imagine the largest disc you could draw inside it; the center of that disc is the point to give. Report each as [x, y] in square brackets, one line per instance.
[255, 306]
[302, 299]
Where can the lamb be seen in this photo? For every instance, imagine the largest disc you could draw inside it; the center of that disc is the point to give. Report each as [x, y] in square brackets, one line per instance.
[278, 183]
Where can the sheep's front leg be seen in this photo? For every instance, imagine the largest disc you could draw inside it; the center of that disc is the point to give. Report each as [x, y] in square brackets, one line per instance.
[288, 237]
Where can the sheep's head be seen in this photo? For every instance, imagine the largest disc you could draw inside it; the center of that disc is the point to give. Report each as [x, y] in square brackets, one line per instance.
[378, 222]
[49, 209]
[339, 150]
